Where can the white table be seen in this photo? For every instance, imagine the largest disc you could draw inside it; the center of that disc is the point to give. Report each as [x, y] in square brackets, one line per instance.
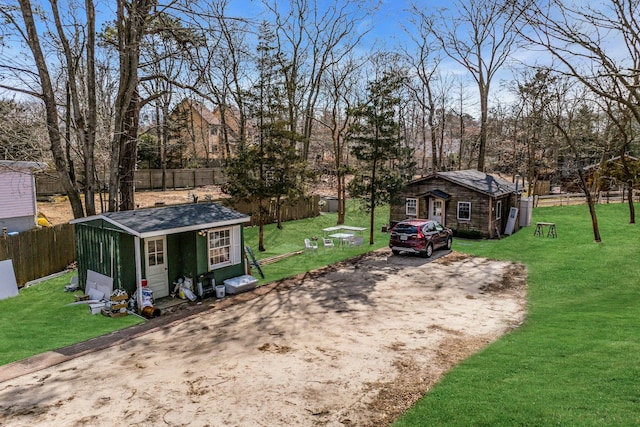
[343, 237]
[347, 228]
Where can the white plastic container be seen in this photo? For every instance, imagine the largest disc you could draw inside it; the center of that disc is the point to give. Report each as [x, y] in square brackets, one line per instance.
[240, 284]
[220, 291]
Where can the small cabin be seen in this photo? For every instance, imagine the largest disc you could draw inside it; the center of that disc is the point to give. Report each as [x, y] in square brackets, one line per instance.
[161, 245]
[470, 202]
[18, 208]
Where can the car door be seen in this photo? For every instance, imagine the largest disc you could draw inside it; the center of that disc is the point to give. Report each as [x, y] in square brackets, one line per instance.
[430, 233]
[441, 235]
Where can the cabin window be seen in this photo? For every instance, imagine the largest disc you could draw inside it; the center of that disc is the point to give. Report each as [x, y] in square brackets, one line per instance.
[224, 247]
[498, 209]
[464, 211]
[412, 206]
[214, 130]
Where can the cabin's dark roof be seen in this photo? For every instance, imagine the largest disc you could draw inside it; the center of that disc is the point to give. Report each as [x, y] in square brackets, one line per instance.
[439, 194]
[475, 180]
[170, 219]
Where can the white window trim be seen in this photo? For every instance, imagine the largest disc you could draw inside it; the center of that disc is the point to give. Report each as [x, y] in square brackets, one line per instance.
[235, 256]
[406, 204]
[498, 210]
[458, 211]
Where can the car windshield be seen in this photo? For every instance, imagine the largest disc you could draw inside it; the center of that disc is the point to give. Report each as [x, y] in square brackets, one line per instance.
[406, 228]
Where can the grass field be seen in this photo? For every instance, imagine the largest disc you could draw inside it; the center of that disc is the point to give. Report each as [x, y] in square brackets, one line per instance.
[576, 360]
[39, 319]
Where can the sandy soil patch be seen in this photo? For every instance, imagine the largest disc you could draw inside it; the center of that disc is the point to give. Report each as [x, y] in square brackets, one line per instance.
[353, 344]
[58, 211]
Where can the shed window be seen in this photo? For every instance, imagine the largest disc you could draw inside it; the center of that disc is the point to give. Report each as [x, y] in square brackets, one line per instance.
[155, 252]
[464, 211]
[224, 247]
[498, 209]
[412, 206]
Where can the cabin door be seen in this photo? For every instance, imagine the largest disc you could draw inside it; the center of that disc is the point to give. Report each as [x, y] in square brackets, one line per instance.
[156, 265]
[436, 210]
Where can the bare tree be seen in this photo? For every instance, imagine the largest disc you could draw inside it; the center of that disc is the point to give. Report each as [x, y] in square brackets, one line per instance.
[622, 134]
[42, 87]
[309, 40]
[423, 64]
[22, 130]
[130, 26]
[340, 83]
[534, 93]
[597, 43]
[84, 121]
[571, 116]
[480, 36]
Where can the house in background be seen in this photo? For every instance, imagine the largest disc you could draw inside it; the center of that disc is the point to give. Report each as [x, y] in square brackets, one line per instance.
[201, 134]
[470, 202]
[18, 207]
[161, 245]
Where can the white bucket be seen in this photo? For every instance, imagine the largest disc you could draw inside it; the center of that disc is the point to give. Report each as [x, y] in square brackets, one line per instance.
[220, 291]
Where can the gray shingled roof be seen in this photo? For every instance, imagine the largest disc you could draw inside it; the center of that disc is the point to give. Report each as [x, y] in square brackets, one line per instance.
[479, 181]
[170, 219]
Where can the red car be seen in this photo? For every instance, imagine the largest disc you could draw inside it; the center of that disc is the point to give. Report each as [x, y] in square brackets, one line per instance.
[420, 236]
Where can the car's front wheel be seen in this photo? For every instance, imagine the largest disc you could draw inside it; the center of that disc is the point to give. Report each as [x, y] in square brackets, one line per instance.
[449, 242]
[428, 251]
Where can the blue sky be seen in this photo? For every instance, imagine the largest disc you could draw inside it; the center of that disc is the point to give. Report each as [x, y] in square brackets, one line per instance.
[386, 26]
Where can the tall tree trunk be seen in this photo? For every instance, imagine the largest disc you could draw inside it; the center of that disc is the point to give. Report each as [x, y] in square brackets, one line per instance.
[484, 118]
[92, 113]
[341, 197]
[592, 205]
[373, 202]
[129, 157]
[632, 209]
[49, 99]
[131, 23]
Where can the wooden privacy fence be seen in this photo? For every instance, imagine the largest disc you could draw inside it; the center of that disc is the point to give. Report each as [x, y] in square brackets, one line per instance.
[566, 199]
[40, 252]
[151, 179]
[147, 179]
[302, 208]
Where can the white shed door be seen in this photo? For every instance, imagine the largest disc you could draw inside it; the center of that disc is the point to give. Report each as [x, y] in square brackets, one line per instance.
[156, 265]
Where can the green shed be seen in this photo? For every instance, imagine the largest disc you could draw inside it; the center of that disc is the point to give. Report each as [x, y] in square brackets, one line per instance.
[160, 245]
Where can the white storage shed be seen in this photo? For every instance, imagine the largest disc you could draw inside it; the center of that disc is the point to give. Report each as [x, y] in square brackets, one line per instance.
[18, 207]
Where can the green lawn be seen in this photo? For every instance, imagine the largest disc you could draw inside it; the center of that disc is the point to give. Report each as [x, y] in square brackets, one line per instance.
[39, 319]
[576, 360]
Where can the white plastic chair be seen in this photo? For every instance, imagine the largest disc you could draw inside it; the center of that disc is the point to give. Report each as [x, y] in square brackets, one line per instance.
[309, 246]
[356, 241]
[327, 243]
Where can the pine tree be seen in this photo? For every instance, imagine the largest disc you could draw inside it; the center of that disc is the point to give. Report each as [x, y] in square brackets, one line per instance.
[385, 163]
[269, 167]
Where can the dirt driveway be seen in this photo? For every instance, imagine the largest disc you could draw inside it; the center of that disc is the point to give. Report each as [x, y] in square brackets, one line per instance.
[353, 344]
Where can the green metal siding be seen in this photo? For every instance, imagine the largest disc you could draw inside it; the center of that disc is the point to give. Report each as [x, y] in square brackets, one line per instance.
[98, 249]
[127, 265]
